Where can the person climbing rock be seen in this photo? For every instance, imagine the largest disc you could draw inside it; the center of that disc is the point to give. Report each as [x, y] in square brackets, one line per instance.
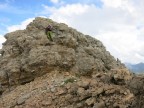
[48, 32]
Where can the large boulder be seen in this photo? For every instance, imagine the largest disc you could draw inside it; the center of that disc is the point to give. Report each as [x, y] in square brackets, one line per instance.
[28, 54]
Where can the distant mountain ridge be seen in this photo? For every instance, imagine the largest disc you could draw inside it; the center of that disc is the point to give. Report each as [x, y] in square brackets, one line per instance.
[136, 68]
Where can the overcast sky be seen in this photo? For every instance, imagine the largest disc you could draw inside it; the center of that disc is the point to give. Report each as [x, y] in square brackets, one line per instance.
[119, 24]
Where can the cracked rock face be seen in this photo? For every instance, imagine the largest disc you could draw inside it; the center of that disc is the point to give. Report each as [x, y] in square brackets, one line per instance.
[28, 53]
[74, 71]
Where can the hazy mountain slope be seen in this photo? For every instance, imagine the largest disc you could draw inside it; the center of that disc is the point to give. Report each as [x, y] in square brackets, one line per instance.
[136, 68]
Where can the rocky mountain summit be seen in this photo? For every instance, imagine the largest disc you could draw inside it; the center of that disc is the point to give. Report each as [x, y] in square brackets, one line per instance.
[72, 71]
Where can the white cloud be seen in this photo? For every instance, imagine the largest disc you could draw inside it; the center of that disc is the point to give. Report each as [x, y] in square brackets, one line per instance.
[67, 10]
[113, 3]
[2, 39]
[54, 1]
[20, 26]
[124, 45]
[119, 24]
[15, 27]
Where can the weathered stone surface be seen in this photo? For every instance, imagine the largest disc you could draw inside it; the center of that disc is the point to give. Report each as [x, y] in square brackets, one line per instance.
[136, 86]
[99, 105]
[93, 93]
[28, 53]
[120, 76]
[90, 101]
[22, 99]
[72, 71]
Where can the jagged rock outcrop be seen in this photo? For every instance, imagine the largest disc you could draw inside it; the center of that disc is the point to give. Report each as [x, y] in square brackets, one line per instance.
[27, 55]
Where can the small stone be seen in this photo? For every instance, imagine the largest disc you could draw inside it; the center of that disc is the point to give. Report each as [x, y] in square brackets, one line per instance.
[68, 96]
[61, 91]
[98, 91]
[47, 103]
[115, 105]
[115, 76]
[22, 99]
[125, 93]
[53, 89]
[84, 83]
[93, 82]
[80, 91]
[99, 105]
[67, 74]
[62, 83]
[80, 105]
[90, 101]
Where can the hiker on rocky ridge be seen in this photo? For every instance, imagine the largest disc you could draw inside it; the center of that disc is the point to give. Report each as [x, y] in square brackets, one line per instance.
[48, 32]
